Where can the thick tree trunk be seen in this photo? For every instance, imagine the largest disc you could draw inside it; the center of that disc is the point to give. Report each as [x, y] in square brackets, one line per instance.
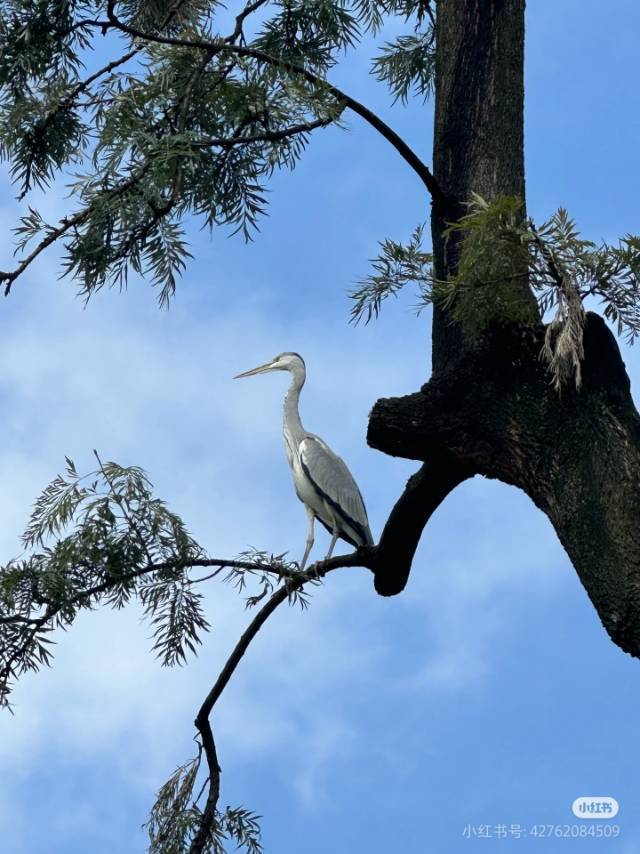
[490, 409]
[479, 126]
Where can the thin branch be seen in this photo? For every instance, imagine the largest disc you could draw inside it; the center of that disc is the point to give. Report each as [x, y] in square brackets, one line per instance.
[68, 223]
[202, 788]
[65, 225]
[268, 136]
[360, 557]
[83, 85]
[53, 235]
[293, 581]
[204, 578]
[116, 497]
[220, 563]
[240, 19]
[9, 277]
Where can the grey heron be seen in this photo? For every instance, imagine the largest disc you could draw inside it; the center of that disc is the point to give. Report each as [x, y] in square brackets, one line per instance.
[322, 480]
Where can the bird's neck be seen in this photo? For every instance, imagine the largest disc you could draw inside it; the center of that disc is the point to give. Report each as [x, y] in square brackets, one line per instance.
[292, 423]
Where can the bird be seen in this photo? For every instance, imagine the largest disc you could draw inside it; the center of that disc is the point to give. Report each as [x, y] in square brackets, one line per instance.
[321, 478]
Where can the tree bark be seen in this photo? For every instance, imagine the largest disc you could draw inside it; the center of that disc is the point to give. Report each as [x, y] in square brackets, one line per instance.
[479, 128]
[489, 408]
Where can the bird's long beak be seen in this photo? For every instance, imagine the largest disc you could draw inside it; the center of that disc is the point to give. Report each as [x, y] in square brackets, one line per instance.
[261, 369]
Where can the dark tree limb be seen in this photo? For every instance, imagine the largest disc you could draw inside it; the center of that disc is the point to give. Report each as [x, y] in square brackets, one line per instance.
[249, 9]
[423, 494]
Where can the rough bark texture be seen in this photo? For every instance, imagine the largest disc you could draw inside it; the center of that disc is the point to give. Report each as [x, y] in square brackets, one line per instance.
[479, 130]
[490, 409]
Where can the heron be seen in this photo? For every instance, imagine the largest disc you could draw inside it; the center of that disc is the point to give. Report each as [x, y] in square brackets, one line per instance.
[321, 479]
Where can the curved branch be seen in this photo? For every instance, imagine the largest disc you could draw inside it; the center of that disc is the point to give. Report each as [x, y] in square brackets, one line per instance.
[424, 493]
[267, 136]
[249, 9]
[360, 557]
[420, 168]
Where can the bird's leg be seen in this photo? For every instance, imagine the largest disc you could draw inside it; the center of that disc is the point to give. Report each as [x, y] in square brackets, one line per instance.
[332, 546]
[310, 517]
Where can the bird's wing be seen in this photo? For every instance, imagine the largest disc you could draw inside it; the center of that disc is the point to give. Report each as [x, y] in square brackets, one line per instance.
[334, 482]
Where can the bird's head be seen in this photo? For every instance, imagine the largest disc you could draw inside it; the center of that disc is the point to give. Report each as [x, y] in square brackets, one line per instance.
[284, 362]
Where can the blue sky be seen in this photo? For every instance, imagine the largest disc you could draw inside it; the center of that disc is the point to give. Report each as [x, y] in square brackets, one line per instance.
[487, 693]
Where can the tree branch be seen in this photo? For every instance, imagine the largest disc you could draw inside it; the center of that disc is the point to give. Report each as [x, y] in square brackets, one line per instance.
[293, 579]
[66, 224]
[54, 234]
[68, 101]
[240, 19]
[267, 136]
[9, 277]
[219, 563]
[360, 557]
[423, 494]
[210, 49]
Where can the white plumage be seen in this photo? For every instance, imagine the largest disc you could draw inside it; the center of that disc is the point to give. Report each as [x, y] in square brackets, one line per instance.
[322, 480]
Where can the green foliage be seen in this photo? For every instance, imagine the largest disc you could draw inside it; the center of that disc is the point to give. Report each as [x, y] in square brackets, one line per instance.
[238, 825]
[170, 130]
[164, 127]
[39, 41]
[99, 538]
[39, 136]
[609, 273]
[502, 259]
[408, 63]
[167, 16]
[309, 32]
[167, 131]
[125, 226]
[561, 268]
[173, 821]
[394, 268]
[267, 572]
[491, 257]
[492, 268]
[176, 817]
[103, 538]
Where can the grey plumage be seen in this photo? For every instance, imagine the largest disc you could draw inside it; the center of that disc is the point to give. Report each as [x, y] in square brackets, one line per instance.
[322, 480]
